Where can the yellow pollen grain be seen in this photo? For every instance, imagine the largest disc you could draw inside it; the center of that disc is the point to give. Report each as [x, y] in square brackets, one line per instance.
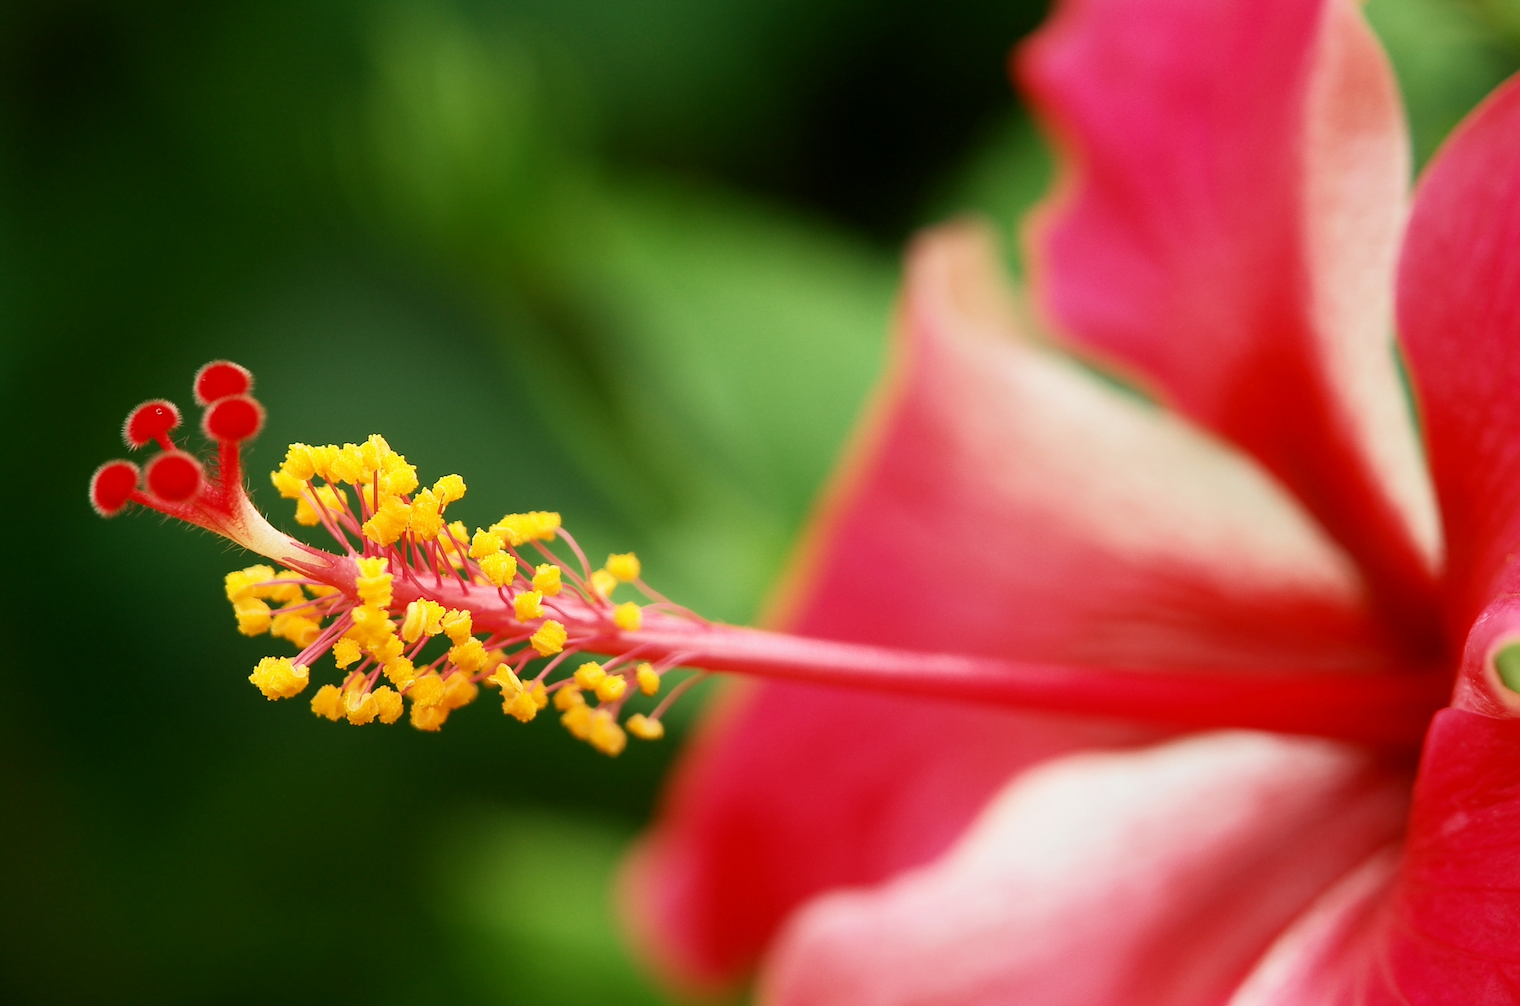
[361, 707]
[387, 524]
[373, 583]
[602, 583]
[328, 702]
[423, 618]
[429, 718]
[605, 735]
[426, 690]
[520, 706]
[287, 485]
[628, 617]
[624, 566]
[426, 520]
[567, 697]
[459, 690]
[278, 678]
[611, 688]
[456, 624]
[299, 463]
[589, 675]
[400, 672]
[499, 568]
[469, 656]
[345, 651]
[546, 579]
[528, 605]
[484, 543]
[649, 679]
[449, 489]
[389, 703]
[644, 728]
[549, 639]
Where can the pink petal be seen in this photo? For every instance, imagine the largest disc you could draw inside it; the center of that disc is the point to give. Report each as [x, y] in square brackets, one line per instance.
[797, 790]
[1153, 877]
[1227, 231]
[1459, 317]
[1446, 932]
[1008, 504]
[1066, 521]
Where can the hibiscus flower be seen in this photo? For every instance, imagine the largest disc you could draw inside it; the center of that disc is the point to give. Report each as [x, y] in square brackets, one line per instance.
[1232, 234]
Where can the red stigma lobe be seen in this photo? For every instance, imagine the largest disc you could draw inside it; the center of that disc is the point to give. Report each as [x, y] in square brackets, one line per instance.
[233, 418]
[174, 476]
[111, 485]
[150, 421]
[220, 379]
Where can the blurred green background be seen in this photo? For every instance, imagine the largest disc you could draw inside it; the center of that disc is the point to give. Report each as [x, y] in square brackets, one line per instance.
[629, 260]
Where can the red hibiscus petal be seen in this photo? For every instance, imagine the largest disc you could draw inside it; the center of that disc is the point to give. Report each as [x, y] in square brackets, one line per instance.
[1006, 503]
[1459, 318]
[1150, 877]
[1227, 233]
[1009, 504]
[1446, 932]
[799, 790]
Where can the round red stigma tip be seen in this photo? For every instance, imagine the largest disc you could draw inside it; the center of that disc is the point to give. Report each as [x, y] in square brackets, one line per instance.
[149, 421]
[237, 418]
[174, 476]
[110, 486]
[219, 379]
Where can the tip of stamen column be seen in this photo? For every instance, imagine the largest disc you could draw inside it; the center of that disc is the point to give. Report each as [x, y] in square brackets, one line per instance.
[221, 379]
[111, 485]
[149, 421]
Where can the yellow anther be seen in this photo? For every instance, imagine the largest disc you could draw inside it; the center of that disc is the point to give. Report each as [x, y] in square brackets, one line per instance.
[469, 656]
[426, 690]
[387, 524]
[644, 728]
[605, 735]
[288, 486]
[345, 651]
[360, 707]
[240, 582]
[602, 583]
[537, 525]
[298, 628]
[347, 466]
[282, 590]
[484, 543]
[577, 720]
[429, 718]
[528, 605]
[321, 590]
[400, 672]
[387, 649]
[389, 702]
[624, 566]
[333, 499]
[278, 678]
[499, 568]
[373, 452]
[589, 675]
[549, 639]
[299, 463]
[448, 489]
[540, 694]
[252, 614]
[396, 476]
[456, 624]
[422, 618]
[371, 626]
[507, 680]
[322, 459]
[628, 617]
[546, 579]
[459, 690]
[649, 680]
[373, 583]
[328, 702]
[427, 516]
[611, 688]
[567, 697]
[520, 706]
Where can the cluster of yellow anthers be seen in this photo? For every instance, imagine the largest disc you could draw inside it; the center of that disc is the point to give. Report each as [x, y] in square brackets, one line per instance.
[421, 576]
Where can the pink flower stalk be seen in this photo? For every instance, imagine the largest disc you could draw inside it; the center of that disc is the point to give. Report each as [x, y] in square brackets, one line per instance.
[1232, 234]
